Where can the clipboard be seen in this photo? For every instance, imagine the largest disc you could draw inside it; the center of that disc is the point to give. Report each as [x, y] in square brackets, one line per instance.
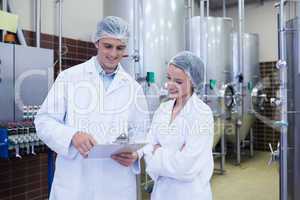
[107, 150]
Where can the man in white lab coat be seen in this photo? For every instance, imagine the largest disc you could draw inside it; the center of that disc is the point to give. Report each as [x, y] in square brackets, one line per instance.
[93, 103]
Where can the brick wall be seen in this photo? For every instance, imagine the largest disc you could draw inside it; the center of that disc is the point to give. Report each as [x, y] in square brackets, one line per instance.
[263, 135]
[74, 51]
[26, 178]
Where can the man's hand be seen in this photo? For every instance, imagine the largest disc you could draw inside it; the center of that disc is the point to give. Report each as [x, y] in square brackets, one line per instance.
[126, 158]
[83, 142]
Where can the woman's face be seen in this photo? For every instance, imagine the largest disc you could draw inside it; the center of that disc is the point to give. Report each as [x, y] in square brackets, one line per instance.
[179, 84]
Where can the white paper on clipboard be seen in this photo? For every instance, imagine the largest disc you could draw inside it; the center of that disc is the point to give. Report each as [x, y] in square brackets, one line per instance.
[107, 150]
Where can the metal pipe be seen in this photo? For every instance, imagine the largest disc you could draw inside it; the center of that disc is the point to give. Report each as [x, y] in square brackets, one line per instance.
[241, 46]
[241, 9]
[139, 71]
[4, 5]
[282, 65]
[4, 8]
[223, 153]
[21, 37]
[60, 36]
[141, 34]
[190, 9]
[136, 53]
[201, 8]
[38, 22]
[238, 141]
[19, 30]
[207, 8]
[224, 8]
[203, 45]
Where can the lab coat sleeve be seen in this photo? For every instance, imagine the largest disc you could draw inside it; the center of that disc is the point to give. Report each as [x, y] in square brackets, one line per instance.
[194, 158]
[148, 149]
[138, 123]
[151, 137]
[50, 120]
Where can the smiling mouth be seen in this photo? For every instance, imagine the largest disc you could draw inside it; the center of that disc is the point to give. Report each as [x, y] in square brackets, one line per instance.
[111, 62]
[112, 58]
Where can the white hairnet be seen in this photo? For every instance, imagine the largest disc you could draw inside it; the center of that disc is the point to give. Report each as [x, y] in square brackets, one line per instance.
[192, 65]
[113, 27]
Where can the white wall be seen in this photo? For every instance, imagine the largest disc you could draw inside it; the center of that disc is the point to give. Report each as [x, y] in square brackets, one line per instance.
[259, 19]
[79, 17]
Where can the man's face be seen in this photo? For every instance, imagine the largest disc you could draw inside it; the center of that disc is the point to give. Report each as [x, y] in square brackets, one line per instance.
[110, 53]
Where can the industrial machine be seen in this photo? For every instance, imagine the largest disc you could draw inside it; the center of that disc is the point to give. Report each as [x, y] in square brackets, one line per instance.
[26, 74]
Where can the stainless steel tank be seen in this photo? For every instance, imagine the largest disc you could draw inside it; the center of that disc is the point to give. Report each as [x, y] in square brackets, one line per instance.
[250, 77]
[157, 29]
[251, 63]
[210, 39]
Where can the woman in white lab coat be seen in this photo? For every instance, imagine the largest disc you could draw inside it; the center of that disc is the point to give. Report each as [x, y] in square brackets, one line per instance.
[179, 157]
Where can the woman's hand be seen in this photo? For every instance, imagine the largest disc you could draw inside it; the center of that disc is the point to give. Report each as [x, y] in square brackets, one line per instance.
[126, 158]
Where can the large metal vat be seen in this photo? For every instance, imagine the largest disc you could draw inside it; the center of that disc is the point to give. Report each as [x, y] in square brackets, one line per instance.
[250, 77]
[251, 64]
[157, 29]
[210, 38]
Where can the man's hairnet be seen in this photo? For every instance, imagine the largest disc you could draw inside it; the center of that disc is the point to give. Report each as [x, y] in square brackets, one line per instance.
[112, 27]
[192, 65]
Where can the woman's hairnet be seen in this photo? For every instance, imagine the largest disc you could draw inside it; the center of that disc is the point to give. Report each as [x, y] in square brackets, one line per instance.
[192, 65]
[113, 27]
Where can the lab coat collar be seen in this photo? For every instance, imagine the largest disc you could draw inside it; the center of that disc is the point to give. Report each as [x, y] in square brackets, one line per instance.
[100, 69]
[188, 107]
[193, 104]
[120, 79]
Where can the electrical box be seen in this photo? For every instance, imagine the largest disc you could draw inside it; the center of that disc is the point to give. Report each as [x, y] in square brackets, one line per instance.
[26, 75]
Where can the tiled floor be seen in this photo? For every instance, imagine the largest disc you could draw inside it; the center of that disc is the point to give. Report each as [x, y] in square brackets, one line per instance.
[252, 180]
